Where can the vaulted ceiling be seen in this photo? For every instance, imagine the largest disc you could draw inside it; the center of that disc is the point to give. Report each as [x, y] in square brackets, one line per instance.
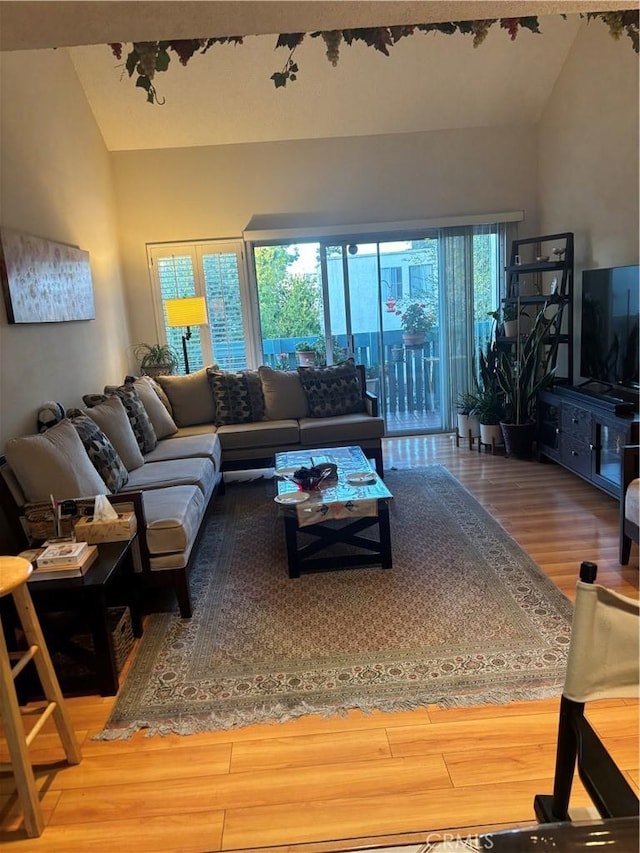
[429, 81]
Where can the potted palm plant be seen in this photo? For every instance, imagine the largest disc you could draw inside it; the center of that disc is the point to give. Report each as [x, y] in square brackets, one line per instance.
[521, 375]
[155, 359]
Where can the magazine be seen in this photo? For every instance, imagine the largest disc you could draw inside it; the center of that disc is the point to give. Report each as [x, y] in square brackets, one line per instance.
[62, 553]
[61, 570]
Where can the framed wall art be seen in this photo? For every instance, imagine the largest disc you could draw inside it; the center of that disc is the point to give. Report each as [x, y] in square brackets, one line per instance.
[43, 281]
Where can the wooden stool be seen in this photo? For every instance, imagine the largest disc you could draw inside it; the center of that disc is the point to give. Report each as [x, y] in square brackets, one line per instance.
[14, 572]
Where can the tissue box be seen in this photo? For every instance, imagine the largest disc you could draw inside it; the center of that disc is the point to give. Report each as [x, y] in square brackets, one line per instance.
[118, 529]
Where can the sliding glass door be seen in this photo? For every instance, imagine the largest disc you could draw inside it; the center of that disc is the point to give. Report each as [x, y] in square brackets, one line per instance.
[413, 311]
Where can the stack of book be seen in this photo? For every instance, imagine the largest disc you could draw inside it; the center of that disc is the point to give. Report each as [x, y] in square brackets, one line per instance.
[61, 559]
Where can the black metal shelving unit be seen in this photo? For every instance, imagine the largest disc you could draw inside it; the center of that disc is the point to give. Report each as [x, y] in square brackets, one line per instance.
[540, 278]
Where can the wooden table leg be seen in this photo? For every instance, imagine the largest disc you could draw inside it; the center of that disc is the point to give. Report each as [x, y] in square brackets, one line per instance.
[385, 535]
[105, 659]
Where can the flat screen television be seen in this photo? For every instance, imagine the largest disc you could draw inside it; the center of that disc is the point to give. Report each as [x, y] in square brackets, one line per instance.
[609, 329]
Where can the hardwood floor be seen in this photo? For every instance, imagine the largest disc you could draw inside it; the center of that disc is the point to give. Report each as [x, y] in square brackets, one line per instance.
[317, 784]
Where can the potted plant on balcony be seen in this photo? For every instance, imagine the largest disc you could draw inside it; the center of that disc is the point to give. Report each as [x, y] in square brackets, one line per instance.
[306, 354]
[416, 320]
[372, 374]
[155, 359]
[521, 375]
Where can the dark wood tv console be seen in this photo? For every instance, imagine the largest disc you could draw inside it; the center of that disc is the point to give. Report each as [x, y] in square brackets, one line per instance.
[586, 434]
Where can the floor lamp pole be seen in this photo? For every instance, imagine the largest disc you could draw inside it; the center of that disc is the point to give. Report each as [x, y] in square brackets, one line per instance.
[185, 338]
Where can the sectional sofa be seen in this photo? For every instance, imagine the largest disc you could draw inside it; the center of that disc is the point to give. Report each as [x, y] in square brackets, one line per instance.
[162, 446]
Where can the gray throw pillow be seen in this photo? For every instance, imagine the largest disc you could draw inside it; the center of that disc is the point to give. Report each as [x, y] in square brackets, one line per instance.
[53, 463]
[161, 421]
[101, 452]
[333, 390]
[190, 397]
[111, 417]
[284, 396]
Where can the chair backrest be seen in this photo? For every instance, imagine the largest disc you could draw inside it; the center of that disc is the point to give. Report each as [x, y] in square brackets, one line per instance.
[603, 660]
[602, 663]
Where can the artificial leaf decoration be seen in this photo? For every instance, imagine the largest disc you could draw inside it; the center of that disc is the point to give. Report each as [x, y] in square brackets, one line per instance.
[530, 23]
[290, 40]
[147, 58]
[332, 39]
[511, 25]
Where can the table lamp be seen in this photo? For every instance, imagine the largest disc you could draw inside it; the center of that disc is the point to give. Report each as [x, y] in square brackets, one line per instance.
[188, 311]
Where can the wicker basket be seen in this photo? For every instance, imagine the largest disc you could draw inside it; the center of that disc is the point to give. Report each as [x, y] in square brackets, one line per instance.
[121, 633]
[70, 665]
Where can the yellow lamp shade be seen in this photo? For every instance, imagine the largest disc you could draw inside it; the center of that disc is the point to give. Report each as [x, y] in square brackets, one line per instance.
[190, 311]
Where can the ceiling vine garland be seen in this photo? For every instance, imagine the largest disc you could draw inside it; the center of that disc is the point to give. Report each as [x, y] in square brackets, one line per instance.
[147, 58]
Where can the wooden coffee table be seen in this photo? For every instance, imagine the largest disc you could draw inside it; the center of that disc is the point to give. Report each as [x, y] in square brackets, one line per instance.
[336, 514]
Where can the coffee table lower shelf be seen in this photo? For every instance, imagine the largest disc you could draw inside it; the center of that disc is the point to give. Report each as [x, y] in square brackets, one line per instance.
[301, 556]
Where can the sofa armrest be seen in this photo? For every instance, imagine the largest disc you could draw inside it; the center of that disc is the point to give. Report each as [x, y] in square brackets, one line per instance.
[371, 404]
[630, 466]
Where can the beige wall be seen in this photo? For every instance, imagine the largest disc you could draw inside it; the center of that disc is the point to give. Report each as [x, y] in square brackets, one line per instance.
[588, 150]
[56, 183]
[207, 192]
[588, 157]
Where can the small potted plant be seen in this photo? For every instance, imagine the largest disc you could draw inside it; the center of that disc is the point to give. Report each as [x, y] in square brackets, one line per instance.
[306, 354]
[372, 374]
[155, 359]
[507, 320]
[468, 423]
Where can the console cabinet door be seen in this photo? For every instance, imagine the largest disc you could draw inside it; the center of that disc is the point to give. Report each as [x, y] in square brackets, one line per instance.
[610, 436]
[549, 425]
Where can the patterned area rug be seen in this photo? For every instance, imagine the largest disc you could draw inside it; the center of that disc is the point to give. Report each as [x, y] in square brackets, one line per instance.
[464, 617]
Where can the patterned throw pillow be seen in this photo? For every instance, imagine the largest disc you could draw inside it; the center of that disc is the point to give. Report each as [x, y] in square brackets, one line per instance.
[333, 390]
[237, 396]
[101, 452]
[137, 414]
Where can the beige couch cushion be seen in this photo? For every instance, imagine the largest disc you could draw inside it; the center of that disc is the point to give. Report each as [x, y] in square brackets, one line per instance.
[112, 419]
[196, 429]
[173, 472]
[284, 395]
[257, 435]
[632, 502]
[173, 518]
[187, 447]
[54, 463]
[190, 397]
[162, 422]
[347, 429]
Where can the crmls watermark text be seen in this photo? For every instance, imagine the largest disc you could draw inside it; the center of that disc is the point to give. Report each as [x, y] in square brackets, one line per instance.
[436, 841]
